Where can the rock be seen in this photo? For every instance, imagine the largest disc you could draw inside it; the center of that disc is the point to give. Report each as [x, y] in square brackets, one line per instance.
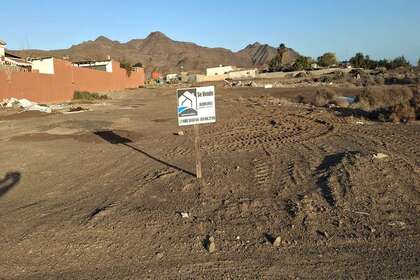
[210, 245]
[323, 233]
[379, 156]
[159, 255]
[180, 133]
[277, 242]
[185, 215]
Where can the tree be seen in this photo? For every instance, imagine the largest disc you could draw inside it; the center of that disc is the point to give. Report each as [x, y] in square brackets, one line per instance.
[302, 63]
[358, 61]
[364, 61]
[399, 62]
[275, 64]
[127, 66]
[418, 63]
[327, 59]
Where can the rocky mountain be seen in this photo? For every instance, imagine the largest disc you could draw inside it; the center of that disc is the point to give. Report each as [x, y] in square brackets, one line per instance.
[159, 52]
[260, 54]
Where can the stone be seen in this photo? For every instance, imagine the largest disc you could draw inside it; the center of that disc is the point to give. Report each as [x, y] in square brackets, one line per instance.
[185, 215]
[380, 156]
[277, 242]
[210, 244]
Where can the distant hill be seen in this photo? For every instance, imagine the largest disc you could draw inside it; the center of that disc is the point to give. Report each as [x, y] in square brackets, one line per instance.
[159, 52]
[260, 54]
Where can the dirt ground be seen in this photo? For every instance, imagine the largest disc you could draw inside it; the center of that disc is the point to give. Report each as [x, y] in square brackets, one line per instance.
[289, 192]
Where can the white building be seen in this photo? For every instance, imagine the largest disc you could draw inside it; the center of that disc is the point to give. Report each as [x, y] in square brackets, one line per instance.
[221, 70]
[2, 48]
[12, 61]
[43, 65]
[105, 65]
[171, 77]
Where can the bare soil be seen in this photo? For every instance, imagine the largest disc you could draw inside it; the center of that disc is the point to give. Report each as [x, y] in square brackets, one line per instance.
[290, 191]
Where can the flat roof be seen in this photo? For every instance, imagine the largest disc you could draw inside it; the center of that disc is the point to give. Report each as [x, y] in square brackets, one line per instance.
[92, 61]
[18, 61]
[39, 58]
[12, 55]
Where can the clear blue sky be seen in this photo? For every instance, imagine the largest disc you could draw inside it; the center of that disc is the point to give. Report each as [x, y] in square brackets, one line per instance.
[380, 28]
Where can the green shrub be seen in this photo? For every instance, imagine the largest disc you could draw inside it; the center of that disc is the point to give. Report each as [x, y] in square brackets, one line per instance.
[364, 61]
[127, 66]
[302, 63]
[85, 95]
[327, 59]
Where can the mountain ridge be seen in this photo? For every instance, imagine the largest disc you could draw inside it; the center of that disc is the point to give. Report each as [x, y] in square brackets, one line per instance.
[159, 52]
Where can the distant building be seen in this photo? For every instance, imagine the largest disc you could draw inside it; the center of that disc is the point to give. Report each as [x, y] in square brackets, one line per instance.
[2, 48]
[221, 70]
[12, 62]
[156, 75]
[43, 65]
[105, 65]
[172, 77]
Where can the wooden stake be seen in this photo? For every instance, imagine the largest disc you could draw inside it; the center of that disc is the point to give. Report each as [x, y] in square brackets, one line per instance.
[197, 151]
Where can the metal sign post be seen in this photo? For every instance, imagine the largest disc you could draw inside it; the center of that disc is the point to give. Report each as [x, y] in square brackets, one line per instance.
[196, 106]
[197, 151]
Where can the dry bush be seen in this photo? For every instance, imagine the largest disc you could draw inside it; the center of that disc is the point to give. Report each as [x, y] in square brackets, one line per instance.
[398, 113]
[374, 98]
[395, 104]
[341, 102]
[379, 80]
[323, 97]
[415, 102]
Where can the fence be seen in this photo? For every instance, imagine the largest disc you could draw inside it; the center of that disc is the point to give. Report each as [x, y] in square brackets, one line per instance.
[60, 87]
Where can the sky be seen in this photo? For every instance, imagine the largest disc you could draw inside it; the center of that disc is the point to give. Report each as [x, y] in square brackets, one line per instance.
[379, 28]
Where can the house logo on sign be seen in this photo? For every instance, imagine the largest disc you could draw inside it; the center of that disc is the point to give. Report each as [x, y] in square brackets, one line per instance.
[187, 103]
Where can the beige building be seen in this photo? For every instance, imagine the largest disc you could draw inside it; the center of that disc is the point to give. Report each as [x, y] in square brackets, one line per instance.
[105, 65]
[243, 74]
[221, 70]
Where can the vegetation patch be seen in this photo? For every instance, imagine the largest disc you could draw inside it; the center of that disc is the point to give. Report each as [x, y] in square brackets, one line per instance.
[85, 95]
[390, 104]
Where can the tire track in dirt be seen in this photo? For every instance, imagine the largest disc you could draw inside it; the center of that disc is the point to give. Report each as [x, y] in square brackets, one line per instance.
[257, 132]
[263, 172]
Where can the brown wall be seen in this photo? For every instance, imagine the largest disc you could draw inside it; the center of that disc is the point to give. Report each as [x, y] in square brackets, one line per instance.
[60, 87]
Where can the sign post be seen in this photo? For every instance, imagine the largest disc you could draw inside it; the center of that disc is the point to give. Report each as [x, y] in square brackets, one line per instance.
[197, 151]
[196, 106]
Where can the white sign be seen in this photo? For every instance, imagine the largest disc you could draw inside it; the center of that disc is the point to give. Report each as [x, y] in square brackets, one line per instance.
[196, 105]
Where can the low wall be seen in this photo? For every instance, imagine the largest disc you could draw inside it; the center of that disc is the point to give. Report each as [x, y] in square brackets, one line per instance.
[60, 87]
[278, 75]
[204, 78]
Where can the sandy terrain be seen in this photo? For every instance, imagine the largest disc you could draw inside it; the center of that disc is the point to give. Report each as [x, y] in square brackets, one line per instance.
[289, 192]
